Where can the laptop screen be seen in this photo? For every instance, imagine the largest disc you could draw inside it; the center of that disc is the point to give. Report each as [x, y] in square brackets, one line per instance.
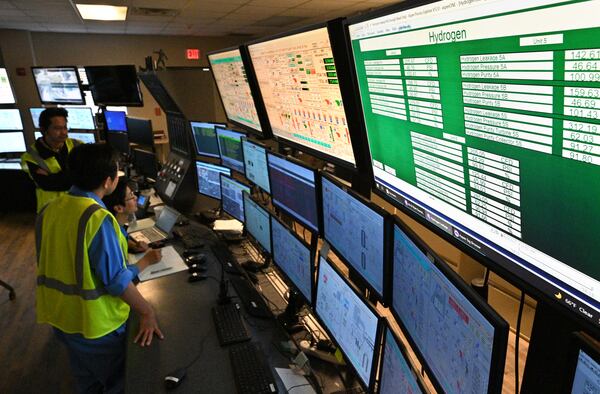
[166, 220]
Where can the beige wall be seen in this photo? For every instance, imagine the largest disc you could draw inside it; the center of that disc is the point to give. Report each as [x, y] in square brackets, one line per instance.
[25, 49]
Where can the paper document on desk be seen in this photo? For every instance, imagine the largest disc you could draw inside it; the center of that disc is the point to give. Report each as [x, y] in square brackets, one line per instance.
[292, 379]
[232, 226]
[170, 263]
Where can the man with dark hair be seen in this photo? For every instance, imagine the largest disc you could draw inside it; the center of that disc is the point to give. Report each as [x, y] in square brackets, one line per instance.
[84, 287]
[46, 160]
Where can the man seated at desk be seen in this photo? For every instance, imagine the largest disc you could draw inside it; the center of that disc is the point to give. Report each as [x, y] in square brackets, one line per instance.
[84, 287]
[46, 160]
[122, 203]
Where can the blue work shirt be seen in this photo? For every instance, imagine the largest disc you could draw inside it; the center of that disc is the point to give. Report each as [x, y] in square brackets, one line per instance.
[106, 260]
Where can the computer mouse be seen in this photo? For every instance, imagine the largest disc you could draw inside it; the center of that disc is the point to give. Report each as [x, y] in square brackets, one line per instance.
[174, 379]
[197, 268]
[196, 277]
[156, 244]
[196, 259]
[191, 252]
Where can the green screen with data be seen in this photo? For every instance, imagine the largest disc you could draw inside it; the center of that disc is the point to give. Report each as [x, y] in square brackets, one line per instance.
[487, 113]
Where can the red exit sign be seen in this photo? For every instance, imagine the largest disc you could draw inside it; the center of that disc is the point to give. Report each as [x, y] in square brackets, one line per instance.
[192, 54]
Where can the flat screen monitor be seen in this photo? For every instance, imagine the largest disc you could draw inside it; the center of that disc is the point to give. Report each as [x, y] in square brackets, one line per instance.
[86, 138]
[293, 256]
[232, 200]
[232, 82]
[460, 339]
[294, 189]
[140, 131]
[12, 142]
[583, 370]
[80, 118]
[299, 85]
[7, 95]
[114, 85]
[10, 119]
[354, 228]
[351, 322]
[35, 116]
[145, 163]
[255, 164]
[230, 148]
[115, 120]
[205, 138]
[257, 222]
[396, 374]
[480, 132]
[58, 85]
[209, 178]
[118, 140]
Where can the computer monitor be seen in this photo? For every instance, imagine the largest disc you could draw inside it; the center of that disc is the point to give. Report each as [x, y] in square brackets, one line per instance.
[115, 120]
[35, 116]
[349, 319]
[458, 336]
[58, 85]
[10, 119]
[232, 83]
[479, 132]
[86, 138]
[209, 178]
[294, 189]
[355, 228]
[583, 370]
[145, 163]
[114, 85]
[258, 224]
[255, 164]
[119, 141]
[7, 95]
[396, 374]
[232, 200]
[140, 131]
[205, 138]
[293, 257]
[12, 142]
[230, 148]
[300, 88]
[80, 118]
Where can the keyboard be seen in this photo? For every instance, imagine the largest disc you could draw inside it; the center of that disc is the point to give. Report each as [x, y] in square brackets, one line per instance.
[229, 324]
[152, 234]
[251, 370]
[253, 302]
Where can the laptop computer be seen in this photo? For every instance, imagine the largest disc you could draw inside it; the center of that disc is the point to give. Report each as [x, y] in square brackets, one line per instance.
[162, 228]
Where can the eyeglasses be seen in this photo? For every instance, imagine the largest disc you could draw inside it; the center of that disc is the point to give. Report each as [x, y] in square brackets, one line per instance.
[130, 196]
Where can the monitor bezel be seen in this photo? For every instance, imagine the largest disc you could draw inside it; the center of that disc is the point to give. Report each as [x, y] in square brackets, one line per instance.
[387, 328]
[243, 172]
[312, 253]
[257, 244]
[501, 327]
[106, 123]
[222, 207]
[314, 152]
[20, 118]
[37, 88]
[376, 349]
[267, 150]
[198, 153]
[319, 228]
[111, 133]
[517, 275]
[579, 341]
[386, 226]
[91, 87]
[198, 180]
[135, 119]
[134, 160]
[254, 91]
[12, 89]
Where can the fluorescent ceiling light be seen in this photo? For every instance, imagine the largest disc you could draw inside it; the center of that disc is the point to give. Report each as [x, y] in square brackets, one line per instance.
[99, 12]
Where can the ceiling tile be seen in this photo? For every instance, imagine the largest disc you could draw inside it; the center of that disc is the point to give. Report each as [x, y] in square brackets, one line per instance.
[277, 3]
[198, 7]
[170, 4]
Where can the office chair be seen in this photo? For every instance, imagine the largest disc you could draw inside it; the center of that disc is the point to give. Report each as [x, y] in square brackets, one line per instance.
[11, 291]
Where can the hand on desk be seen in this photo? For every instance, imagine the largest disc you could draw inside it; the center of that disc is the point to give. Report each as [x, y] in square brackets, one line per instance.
[152, 256]
[148, 327]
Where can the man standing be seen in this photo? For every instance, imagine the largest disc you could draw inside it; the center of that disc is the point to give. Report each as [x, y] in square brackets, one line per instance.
[46, 160]
[84, 287]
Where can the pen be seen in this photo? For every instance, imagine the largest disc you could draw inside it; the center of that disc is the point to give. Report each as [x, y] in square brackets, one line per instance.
[161, 270]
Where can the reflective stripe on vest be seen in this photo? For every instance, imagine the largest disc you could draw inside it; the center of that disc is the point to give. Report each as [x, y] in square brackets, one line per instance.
[76, 289]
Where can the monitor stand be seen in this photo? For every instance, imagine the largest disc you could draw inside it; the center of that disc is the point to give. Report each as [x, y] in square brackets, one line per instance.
[208, 216]
[289, 318]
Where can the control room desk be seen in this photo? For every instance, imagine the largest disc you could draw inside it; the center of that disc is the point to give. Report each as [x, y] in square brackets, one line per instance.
[184, 315]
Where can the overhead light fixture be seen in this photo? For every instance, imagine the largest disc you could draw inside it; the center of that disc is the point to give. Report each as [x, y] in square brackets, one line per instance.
[100, 12]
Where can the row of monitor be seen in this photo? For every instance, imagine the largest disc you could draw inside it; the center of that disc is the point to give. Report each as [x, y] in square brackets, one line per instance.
[459, 339]
[475, 130]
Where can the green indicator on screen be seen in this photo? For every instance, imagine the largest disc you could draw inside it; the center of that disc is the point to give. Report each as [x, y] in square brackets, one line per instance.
[330, 67]
[332, 74]
[328, 60]
[333, 81]
[301, 68]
